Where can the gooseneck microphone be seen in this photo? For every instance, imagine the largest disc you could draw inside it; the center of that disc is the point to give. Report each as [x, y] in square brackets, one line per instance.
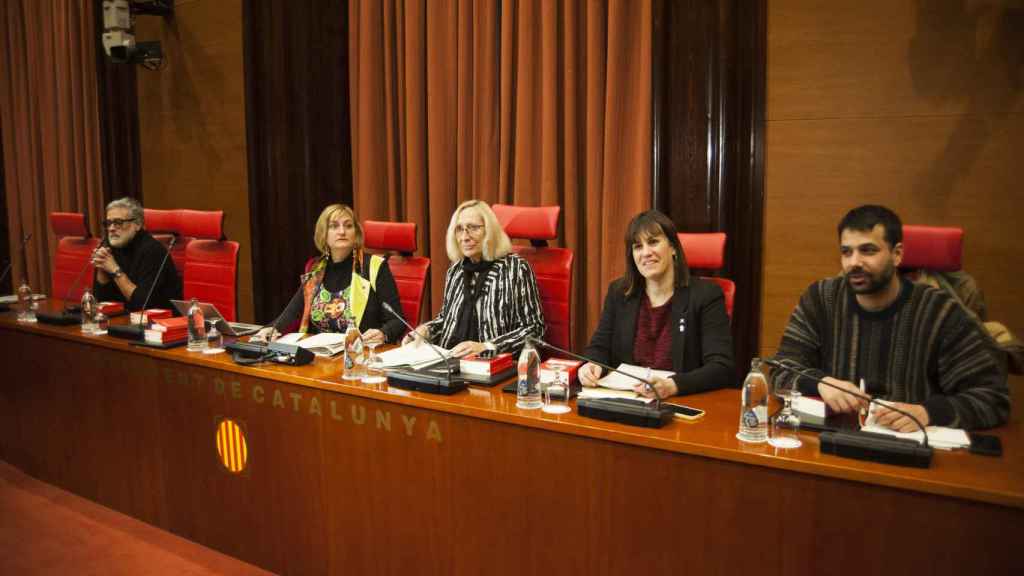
[70, 313]
[159, 271]
[446, 359]
[137, 331]
[866, 445]
[647, 383]
[10, 261]
[422, 380]
[622, 410]
[791, 366]
[256, 351]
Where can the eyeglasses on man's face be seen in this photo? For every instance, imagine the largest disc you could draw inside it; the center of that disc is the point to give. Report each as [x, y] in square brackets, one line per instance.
[471, 229]
[117, 222]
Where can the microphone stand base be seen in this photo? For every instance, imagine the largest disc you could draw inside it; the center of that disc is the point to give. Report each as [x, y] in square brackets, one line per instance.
[64, 318]
[127, 331]
[876, 448]
[628, 412]
[425, 382]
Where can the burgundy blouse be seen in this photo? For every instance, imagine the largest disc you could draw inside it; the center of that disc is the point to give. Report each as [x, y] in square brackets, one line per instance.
[652, 345]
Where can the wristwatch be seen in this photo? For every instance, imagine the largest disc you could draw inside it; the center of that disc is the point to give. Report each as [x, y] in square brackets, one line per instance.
[116, 274]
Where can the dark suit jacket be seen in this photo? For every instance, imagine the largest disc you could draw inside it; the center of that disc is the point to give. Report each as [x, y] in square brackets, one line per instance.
[701, 341]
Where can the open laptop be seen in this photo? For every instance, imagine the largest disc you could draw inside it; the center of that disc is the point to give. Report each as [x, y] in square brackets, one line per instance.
[212, 315]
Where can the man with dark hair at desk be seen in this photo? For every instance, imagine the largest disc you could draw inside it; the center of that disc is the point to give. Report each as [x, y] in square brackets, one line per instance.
[127, 269]
[910, 344]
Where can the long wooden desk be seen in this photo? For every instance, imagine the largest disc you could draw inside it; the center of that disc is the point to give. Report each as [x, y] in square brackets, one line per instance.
[347, 479]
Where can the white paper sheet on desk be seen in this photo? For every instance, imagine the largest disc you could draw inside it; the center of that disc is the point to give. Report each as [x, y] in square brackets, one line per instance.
[290, 338]
[610, 393]
[809, 406]
[938, 436]
[321, 339]
[324, 344]
[617, 381]
[413, 354]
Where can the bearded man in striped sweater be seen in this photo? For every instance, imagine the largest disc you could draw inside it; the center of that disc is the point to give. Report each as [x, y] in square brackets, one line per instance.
[909, 343]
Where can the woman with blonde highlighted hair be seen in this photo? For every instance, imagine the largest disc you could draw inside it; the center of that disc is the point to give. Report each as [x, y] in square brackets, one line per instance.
[343, 285]
[490, 298]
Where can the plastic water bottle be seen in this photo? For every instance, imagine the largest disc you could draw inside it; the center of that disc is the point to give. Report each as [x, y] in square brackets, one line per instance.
[196, 328]
[26, 307]
[353, 367]
[528, 396]
[89, 309]
[754, 406]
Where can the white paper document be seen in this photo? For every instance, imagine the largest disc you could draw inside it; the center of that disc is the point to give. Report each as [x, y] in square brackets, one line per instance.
[617, 381]
[324, 343]
[610, 393]
[290, 338]
[414, 354]
[809, 406]
[939, 437]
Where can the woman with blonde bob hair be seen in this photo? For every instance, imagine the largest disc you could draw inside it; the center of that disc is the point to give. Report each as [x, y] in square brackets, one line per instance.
[343, 285]
[490, 297]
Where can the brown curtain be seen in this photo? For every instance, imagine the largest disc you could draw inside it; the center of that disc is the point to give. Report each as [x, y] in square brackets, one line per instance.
[49, 123]
[527, 102]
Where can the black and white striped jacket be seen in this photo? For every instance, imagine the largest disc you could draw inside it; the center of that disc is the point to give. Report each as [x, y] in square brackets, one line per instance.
[508, 311]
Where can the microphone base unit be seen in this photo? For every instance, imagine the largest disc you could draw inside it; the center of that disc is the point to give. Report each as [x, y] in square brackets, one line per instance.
[629, 412]
[127, 331]
[876, 448]
[273, 352]
[290, 354]
[65, 318]
[420, 381]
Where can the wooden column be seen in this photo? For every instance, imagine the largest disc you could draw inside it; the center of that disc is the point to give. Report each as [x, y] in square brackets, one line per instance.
[708, 137]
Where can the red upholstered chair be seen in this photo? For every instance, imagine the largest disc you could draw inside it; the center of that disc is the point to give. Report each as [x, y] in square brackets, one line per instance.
[551, 266]
[410, 271]
[707, 252]
[71, 260]
[211, 262]
[165, 224]
[932, 248]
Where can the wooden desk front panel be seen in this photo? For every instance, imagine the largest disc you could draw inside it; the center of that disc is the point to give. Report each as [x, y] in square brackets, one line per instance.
[337, 482]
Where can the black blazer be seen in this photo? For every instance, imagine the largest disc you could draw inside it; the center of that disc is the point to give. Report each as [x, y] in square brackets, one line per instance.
[701, 340]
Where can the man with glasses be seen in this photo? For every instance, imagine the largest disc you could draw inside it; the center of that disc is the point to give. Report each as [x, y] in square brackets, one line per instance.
[128, 261]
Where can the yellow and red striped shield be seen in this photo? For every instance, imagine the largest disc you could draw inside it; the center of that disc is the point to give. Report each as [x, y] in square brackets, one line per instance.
[231, 446]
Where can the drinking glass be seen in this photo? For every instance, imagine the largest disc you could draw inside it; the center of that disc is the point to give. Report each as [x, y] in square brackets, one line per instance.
[784, 426]
[374, 374]
[556, 391]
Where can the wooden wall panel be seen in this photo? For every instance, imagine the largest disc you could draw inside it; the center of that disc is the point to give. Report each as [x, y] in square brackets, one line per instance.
[192, 121]
[912, 105]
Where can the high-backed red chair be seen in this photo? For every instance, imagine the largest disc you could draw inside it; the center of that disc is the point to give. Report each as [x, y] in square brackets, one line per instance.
[211, 261]
[706, 251]
[71, 261]
[932, 248]
[551, 266]
[410, 271]
[164, 225]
